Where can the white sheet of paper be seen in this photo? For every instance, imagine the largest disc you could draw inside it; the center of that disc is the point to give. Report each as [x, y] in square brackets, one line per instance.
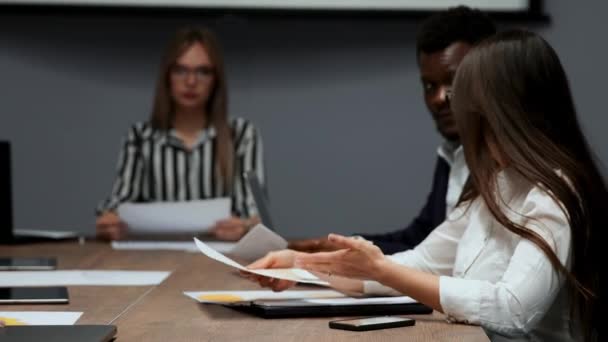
[39, 317]
[257, 242]
[154, 246]
[186, 246]
[361, 301]
[82, 278]
[223, 297]
[49, 234]
[293, 274]
[220, 246]
[174, 217]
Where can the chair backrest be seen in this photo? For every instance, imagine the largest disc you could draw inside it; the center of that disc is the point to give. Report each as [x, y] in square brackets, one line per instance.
[261, 201]
[6, 194]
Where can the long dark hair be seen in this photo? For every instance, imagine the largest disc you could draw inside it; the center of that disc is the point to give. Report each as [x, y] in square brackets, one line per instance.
[511, 95]
[163, 111]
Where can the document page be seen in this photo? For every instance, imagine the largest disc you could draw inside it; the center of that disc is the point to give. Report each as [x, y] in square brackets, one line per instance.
[81, 278]
[186, 246]
[47, 234]
[226, 297]
[39, 317]
[174, 217]
[255, 244]
[293, 274]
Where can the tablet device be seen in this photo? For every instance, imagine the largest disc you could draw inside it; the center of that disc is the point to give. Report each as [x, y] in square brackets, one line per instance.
[30, 295]
[292, 308]
[27, 264]
[58, 333]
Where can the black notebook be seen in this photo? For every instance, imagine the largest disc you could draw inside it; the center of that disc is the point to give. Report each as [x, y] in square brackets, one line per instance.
[34, 295]
[300, 308]
[58, 333]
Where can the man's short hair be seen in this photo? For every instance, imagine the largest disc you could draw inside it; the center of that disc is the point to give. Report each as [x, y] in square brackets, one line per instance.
[453, 25]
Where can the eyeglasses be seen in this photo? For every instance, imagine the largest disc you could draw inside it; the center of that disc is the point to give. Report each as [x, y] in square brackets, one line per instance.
[202, 73]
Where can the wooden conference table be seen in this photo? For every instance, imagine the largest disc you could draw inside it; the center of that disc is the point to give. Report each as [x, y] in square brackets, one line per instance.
[163, 313]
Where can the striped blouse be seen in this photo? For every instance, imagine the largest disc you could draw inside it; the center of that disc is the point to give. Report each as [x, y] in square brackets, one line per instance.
[154, 166]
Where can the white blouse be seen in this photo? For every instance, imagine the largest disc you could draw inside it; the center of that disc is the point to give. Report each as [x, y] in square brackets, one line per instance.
[492, 277]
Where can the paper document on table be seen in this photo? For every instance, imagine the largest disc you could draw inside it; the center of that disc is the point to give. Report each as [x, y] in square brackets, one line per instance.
[362, 301]
[174, 217]
[259, 241]
[154, 246]
[226, 297]
[81, 278]
[293, 274]
[46, 234]
[39, 318]
[186, 246]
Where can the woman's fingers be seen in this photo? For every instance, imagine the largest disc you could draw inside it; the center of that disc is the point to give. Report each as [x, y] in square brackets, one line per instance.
[277, 259]
[229, 233]
[264, 262]
[303, 259]
[272, 283]
[110, 232]
[323, 267]
[347, 242]
[283, 285]
[229, 224]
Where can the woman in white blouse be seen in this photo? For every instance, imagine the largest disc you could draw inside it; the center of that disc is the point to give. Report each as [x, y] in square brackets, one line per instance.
[518, 252]
[188, 149]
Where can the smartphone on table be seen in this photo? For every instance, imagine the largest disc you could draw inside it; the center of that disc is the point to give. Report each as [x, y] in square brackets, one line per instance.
[31, 295]
[27, 264]
[372, 323]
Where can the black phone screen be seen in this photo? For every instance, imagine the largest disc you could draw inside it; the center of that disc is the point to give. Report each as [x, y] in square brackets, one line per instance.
[372, 323]
[25, 295]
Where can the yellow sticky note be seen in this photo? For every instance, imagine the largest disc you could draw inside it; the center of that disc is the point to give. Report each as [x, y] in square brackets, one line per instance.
[11, 321]
[220, 298]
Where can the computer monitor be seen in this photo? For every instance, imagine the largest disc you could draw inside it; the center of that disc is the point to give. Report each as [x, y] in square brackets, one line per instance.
[6, 193]
[259, 196]
[8, 233]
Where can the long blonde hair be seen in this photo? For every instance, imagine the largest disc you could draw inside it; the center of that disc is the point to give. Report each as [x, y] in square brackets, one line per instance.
[163, 112]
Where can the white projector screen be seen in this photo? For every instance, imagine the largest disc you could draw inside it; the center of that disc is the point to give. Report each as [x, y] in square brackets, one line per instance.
[384, 5]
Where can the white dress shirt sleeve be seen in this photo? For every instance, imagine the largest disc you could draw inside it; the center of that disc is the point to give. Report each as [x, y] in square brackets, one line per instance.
[436, 254]
[515, 304]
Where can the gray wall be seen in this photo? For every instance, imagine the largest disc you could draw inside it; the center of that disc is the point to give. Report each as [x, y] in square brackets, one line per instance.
[349, 144]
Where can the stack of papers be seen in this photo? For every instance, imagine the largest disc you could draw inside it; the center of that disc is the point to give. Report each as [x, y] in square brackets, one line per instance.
[226, 297]
[361, 301]
[39, 317]
[321, 297]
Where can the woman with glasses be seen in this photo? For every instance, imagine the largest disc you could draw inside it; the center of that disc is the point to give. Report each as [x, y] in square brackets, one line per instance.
[188, 149]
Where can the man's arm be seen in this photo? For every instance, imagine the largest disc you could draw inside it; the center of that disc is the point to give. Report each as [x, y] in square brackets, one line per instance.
[431, 215]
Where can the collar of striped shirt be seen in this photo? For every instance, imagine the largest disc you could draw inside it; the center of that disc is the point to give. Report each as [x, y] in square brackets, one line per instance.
[171, 137]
